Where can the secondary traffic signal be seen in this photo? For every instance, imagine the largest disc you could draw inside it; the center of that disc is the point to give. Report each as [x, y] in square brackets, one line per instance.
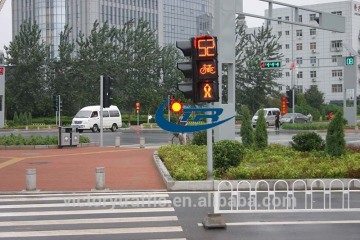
[56, 102]
[107, 91]
[186, 68]
[289, 94]
[270, 64]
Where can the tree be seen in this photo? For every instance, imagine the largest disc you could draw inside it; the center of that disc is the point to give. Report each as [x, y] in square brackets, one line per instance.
[335, 137]
[261, 135]
[27, 84]
[246, 131]
[254, 85]
[314, 97]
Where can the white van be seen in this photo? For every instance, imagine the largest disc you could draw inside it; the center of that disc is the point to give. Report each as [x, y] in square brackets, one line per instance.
[269, 114]
[88, 118]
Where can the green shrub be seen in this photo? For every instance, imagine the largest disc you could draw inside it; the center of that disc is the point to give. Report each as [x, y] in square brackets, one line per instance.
[308, 141]
[307, 126]
[261, 135]
[199, 138]
[335, 137]
[34, 140]
[246, 131]
[226, 154]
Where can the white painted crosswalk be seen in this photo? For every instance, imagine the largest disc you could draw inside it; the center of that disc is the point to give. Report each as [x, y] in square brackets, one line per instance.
[89, 216]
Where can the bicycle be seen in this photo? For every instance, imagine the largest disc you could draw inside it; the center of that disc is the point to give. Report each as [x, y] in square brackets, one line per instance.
[176, 138]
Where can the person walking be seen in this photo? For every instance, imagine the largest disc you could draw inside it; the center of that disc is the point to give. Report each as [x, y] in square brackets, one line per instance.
[277, 123]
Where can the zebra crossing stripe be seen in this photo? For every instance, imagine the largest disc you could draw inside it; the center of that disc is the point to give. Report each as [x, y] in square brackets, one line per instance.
[89, 221]
[95, 211]
[90, 204]
[79, 232]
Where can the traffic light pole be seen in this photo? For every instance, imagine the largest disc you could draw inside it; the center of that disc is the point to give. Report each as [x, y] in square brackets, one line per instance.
[101, 110]
[59, 110]
[209, 149]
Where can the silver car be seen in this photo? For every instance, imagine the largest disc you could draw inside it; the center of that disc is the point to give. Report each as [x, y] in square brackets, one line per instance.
[294, 118]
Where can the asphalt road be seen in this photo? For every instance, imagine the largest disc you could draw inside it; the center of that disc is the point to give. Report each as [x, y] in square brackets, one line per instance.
[159, 215]
[158, 137]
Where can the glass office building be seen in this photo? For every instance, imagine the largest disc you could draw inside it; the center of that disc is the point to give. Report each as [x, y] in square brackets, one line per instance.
[172, 19]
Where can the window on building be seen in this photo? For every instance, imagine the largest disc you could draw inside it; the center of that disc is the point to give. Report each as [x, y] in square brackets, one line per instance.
[312, 60]
[336, 46]
[336, 73]
[299, 33]
[313, 46]
[280, 33]
[280, 74]
[312, 16]
[287, 74]
[334, 58]
[300, 74]
[312, 31]
[299, 60]
[279, 21]
[287, 60]
[280, 46]
[299, 88]
[300, 18]
[287, 46]
[337, 13]
[280, 88]
[287, 18]
[299, 46]
[312, 74]
[336, 88]
[287, 33]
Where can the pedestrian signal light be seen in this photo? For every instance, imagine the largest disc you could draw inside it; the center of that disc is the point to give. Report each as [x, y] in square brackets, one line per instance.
[208, 91]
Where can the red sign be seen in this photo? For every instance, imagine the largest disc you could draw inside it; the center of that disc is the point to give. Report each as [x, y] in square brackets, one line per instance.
[1, 70]
[284, 106]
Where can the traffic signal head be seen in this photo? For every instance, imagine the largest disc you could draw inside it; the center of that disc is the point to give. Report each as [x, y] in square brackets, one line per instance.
[202, 69]
[107, 91]
[264, 65]
[289, 94]
[205, 82]
[56, 102]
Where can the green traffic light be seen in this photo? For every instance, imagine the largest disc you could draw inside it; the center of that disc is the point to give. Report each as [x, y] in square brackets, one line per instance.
[270, 64]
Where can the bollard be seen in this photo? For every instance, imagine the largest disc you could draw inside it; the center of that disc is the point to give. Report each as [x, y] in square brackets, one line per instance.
[142, 142]
[30, 179]
[100, 178]
[38, 128]
[26, 127]
[117, 141]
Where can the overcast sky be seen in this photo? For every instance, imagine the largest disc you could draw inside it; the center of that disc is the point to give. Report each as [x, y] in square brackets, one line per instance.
[250, 6]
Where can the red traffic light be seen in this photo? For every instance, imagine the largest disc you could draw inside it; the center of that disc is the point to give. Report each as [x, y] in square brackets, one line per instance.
[137, 106]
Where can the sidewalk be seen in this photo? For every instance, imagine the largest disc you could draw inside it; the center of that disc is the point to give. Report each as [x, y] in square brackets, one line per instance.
[73, 169]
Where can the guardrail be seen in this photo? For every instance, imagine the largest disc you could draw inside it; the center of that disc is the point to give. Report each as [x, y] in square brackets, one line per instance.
[282, 197]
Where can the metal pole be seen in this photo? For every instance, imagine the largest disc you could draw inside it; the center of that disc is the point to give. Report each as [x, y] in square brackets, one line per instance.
[137, 117]
[56, 118]
[209, 149]
[59, 110]
[101, 110]
[293, 70]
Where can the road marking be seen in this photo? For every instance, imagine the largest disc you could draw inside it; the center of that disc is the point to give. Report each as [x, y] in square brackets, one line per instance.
[18, 159]
[95, 211]
[91, 196]
[88, 221]
[91, 232]
[115, 203]
[289, 223]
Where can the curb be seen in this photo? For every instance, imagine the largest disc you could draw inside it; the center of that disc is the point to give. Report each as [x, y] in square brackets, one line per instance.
[228, 185]
[38, 147]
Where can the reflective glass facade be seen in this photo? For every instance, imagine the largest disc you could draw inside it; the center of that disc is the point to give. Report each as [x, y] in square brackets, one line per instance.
[173, 19]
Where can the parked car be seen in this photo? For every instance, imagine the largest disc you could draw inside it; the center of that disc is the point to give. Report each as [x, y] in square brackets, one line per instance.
[294, 118]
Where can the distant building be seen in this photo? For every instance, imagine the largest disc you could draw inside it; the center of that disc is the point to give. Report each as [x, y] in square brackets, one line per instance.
[173, 19]
[315, 51]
